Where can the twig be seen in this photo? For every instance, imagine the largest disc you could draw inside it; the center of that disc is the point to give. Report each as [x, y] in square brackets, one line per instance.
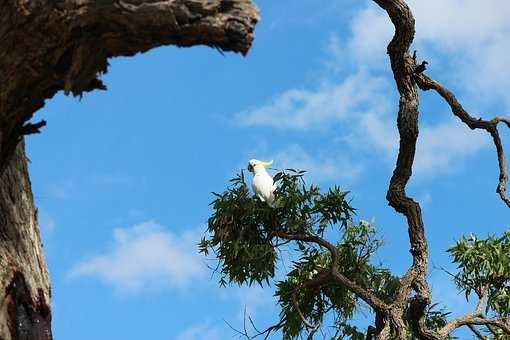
[476, 332]
[32, 128]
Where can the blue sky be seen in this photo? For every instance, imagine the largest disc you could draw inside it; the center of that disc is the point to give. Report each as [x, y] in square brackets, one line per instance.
[123, 178]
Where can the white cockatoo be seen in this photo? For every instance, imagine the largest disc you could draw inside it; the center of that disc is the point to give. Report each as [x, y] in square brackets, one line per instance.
[262, 184]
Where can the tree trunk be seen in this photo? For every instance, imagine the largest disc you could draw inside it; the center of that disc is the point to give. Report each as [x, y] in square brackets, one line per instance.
[47, 46]
[24, 282]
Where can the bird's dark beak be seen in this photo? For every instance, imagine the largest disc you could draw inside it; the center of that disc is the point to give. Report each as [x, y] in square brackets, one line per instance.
[250, 168]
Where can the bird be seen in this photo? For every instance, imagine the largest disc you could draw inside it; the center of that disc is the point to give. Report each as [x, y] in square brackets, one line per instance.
[262, 184]
[420, 68]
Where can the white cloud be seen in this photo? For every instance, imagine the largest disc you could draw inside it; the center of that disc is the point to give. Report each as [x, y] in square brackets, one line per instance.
[441, 147]
[370, 127]
[469, 37]
[332, 103]
[144, 255]
[377, 132]
[371, 30]
[472, 56]
[451, 23]
[448, 24]
[321, 168]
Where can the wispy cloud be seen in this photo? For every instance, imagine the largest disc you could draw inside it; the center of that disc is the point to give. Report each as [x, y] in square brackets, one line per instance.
[442, 147]
[253, 300]
[320, 167]
[371, 31]
[434, 21]
[475, 55]
[146, 254]
[359, 105]
[311, 109]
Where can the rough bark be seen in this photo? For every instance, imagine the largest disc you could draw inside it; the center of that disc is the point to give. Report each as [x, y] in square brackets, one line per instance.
[403, 66]
[414, 297]
[24, 282]
[52, 45]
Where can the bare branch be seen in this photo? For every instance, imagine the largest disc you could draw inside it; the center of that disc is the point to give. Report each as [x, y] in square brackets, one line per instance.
[501, 323]
[492, 329]
[466, 319]
[478, 334]
[266, 332]
[491, 126]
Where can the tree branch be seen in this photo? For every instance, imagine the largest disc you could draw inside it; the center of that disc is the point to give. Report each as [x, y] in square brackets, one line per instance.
[476, 332]
[502, 323]
[492, 329]
[403, 66]
[48, 46]
[491, 126]
[371, 330]
[370, 298]
[466, 319]
[32, 128]
[476, 318]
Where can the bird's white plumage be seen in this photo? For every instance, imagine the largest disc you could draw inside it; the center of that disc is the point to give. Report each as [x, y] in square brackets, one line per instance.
[262, 183]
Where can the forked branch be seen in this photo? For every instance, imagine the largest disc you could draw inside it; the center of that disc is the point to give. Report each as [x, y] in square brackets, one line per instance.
[333, 273]
[467, 319]
[476, 332]
[491, 126]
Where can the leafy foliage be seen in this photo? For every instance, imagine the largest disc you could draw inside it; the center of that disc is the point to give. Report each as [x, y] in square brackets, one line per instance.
[247, 237]
[242, 228]
[243, 235]
[355, 248]
[484, 264]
